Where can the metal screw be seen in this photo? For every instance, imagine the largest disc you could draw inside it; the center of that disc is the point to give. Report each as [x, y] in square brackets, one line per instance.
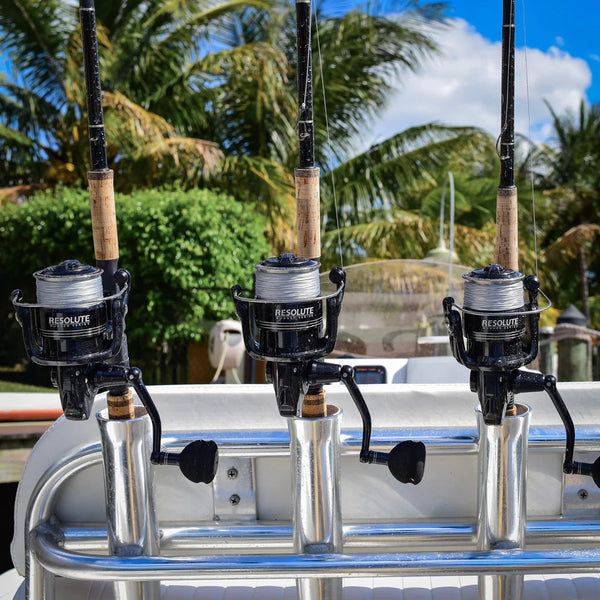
[232, 473]
[583, 493]
[234, 499]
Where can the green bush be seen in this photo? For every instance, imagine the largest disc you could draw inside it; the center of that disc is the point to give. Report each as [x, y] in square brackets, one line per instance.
[184, 249]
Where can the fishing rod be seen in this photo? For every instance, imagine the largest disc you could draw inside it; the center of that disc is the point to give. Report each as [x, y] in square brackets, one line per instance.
[501, 328]
[289, 323]
[77, 325]
[307, 175]
[507, 224]
[101, 188]
[292, 326]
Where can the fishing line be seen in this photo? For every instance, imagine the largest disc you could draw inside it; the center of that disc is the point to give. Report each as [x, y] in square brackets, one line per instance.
[535, 245]
[291, 284]
[302, 124]
[493, 295]
[66, 292]
[329, 150]
[451, 235]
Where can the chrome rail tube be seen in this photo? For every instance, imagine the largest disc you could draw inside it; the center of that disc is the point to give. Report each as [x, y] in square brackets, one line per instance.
[502, 503]
[47, 549]
[316, 502]
[368, 536]
[42, 498]
[129, 491]
[41, 505]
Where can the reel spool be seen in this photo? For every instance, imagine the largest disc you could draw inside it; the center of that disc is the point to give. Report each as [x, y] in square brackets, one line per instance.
[72, 322]
[291, 326]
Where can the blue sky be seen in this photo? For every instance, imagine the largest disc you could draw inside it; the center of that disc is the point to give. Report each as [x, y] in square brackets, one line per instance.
[571, 25]
[461, 85]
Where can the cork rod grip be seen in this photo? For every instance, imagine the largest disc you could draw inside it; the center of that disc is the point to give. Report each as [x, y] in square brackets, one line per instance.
[308, 216]
[314, 405]
[507, 229]
[104, 219]
[121, 407]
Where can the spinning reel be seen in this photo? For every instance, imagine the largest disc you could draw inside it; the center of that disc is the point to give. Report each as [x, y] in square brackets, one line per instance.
[79, 331]
[292, 327]
[502, 332]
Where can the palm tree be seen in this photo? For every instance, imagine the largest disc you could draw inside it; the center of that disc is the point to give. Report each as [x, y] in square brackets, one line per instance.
[377, 222]
[145, 49]
[178, 73]
[355, 54]
[571, 176]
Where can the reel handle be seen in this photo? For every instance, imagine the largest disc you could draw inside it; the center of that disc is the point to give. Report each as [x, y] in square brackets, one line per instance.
[198, 461]
[536, 382]
[406, 461]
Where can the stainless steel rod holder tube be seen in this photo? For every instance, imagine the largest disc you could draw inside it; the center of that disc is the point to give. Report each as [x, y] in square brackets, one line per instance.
[502, 496]
[317, 513]
[129, 489]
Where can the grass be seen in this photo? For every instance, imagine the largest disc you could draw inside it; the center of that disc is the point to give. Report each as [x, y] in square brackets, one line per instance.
[11, 386]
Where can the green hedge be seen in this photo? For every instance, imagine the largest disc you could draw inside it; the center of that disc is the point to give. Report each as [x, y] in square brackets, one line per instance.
[175, 244]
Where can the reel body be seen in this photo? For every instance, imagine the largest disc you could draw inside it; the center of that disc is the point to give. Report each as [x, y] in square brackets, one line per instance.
[502, 336]
[78, 330]
[294, 335]
[290, 335]
[285, 330]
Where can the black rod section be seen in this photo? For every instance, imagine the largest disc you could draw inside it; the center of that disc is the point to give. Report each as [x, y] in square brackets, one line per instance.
[507, 136]
[97, 136]
[91, 65]
[305, 80]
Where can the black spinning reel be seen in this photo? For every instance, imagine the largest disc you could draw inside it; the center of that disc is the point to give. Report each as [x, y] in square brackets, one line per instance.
[291, 326]
[80, 332]
[502, 333]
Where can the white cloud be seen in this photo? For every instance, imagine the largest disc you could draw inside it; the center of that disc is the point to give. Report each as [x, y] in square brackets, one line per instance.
[461, 86]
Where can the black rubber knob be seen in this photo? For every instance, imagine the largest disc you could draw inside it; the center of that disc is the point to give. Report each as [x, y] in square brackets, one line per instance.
[406, 461]
[198, 461]
[596, 471]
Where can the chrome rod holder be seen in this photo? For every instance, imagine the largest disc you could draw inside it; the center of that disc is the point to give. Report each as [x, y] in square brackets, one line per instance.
[316, 501]
[129, 490]
[501, 520]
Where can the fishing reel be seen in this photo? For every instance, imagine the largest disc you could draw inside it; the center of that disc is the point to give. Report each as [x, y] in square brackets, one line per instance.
[292, 327]
[80, 332]
[502, 332]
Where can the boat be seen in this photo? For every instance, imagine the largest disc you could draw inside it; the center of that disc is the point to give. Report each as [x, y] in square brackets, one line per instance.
[483, 496]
